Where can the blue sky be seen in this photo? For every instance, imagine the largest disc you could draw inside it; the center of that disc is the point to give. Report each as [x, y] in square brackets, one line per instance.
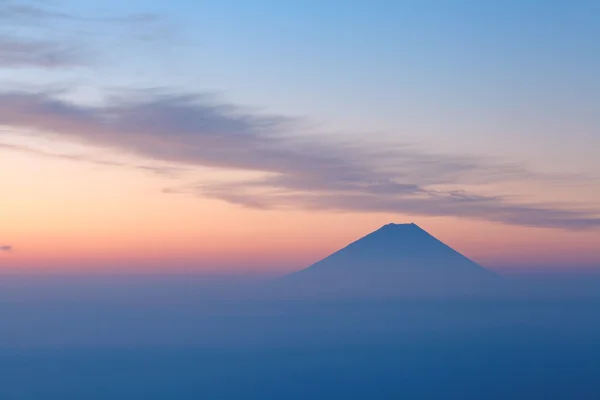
[474, 76]
[516, 79]
[496, 101]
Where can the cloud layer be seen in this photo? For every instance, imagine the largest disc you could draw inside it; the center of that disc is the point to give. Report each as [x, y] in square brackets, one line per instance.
[296, 170]
[293, 163]
[5, 248]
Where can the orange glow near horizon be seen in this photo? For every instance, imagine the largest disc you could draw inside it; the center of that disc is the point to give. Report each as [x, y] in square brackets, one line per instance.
[62, 215]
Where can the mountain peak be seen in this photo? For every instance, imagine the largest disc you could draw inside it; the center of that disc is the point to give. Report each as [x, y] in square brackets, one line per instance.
[403, 224]
[397, 257]
[400, 226]
[390, 234]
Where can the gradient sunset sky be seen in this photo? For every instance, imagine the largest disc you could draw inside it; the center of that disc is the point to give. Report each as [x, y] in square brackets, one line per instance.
[253, 136]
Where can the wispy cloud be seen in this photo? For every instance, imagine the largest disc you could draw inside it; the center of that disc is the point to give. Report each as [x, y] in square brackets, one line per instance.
[17, 53]
[163, 170]
[35, 36]
[5, 248]
[296, 171]
[22, 12]
[13, 11]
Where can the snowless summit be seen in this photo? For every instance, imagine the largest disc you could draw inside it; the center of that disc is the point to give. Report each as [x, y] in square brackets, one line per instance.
[394, 259]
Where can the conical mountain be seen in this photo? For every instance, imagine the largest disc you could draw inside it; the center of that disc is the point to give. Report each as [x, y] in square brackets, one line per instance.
[395, 259]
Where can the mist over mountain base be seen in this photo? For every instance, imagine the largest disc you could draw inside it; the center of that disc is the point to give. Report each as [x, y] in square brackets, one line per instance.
[162, 339]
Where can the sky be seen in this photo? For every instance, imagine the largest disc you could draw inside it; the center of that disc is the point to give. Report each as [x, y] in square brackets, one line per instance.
[260, 136]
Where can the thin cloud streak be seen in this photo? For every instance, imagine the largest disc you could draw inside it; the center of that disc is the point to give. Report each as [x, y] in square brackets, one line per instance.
[420, 201]
[51, 39]
[197, 130]
[18, 53]
[23, 13]
[165, 171]
[5, 248]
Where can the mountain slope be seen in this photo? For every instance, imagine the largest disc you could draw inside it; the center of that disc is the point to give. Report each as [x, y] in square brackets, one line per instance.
[395, 259]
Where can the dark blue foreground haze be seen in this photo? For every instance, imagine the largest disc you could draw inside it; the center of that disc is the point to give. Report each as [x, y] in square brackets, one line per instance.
[140, 342]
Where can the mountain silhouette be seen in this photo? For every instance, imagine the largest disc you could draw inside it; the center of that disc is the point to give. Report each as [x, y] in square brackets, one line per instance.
[397, 259]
